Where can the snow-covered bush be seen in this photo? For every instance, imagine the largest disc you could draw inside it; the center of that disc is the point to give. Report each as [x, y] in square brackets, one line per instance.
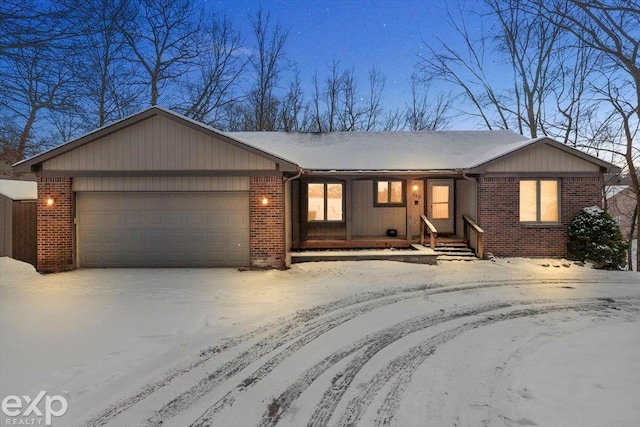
[595, 236]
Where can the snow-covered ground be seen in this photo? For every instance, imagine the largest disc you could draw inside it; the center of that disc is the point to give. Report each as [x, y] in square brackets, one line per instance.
[510, 342]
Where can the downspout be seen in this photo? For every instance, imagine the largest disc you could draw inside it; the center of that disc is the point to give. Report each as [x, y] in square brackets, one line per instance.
[296, 176]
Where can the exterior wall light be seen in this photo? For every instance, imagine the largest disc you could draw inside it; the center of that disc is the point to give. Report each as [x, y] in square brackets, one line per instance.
[415, 187]
[265, 201]
[50, 201]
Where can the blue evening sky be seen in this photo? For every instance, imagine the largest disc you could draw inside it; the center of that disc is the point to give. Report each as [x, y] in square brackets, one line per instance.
[387, 34]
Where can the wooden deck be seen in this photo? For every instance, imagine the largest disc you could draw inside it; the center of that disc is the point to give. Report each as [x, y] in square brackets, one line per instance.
[388, 249]
[359, 243]
[415, 254]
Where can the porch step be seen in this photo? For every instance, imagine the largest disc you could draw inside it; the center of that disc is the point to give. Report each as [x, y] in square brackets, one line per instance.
[454, 250]
[446, 257]
[417, 255]
[460, 249]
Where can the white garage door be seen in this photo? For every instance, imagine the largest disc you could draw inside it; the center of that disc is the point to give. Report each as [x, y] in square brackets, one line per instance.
[163, 229]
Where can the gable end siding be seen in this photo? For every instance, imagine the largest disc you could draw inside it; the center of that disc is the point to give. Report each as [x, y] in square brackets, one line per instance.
[542, 158]
[157, 144]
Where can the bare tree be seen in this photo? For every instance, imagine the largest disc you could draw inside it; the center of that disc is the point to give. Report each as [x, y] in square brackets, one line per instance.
[326, 99]
[268, 63]
[216, 76]
[529, 47]
[38, 60]
[164, 38]
[573, 101]
[422, 113]
[37, 81]
[393, 120]
[613, 30]
[29, 24]
[339, 105]
[373, 101]
[294, 113]
[105, 84]
[466, 71]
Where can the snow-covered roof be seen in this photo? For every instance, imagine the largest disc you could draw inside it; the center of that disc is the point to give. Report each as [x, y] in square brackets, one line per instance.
[612, 190]
[348, 151]
[19, 190]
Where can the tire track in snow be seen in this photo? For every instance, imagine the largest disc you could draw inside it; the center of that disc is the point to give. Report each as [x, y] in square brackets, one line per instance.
[294, 391]
[402, 368]
[389, 409]
[371, 345]
[376, 342]
[286, 328]
[289, 346]
[226, 401]
[309, 333]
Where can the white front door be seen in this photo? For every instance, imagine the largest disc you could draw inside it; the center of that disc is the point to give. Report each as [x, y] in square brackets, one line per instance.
[440, 205]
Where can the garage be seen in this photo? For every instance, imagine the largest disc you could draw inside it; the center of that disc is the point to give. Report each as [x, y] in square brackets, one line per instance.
[162, 229]
[157, 189]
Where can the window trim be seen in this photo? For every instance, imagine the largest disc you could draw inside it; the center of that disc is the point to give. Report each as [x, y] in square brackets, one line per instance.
[389, 204]
[538, 220]
[325, 201]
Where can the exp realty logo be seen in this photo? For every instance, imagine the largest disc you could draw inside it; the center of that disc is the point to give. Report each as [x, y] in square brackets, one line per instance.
[28, 411]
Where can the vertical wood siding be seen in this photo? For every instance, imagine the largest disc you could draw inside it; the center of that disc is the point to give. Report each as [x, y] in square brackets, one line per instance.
[542, 158]
[158, 144]
[466, 204]
[6, 226]
[24, 231]
[370, 221]
[199, 183]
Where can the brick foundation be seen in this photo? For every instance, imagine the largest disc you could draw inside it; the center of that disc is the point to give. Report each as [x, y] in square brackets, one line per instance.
[55, 225]
[498, 215]
[266, 221]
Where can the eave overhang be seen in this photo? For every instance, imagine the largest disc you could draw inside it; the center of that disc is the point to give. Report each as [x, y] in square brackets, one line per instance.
[33, 164]
[605, 167]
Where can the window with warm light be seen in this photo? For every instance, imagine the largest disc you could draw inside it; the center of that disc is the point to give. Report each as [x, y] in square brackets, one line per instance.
[440, 201]
[539, 200]
[325, 201]
[389, 193]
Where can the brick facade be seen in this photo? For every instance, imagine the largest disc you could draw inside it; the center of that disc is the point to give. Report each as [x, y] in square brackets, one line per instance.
[55, 224]
[498, 215]
[266, 221]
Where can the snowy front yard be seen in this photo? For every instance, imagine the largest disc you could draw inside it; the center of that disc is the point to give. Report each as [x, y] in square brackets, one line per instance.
[370, 343]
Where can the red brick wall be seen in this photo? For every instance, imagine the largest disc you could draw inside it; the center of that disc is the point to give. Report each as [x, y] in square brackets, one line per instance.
[55, 225]
[498, 215]
[266, 222]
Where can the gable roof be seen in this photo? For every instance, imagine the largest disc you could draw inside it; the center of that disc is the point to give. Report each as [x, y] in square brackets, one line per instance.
[611, 191]
[473, 151]
[501, 153]
[27, 164]
[393, 151]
